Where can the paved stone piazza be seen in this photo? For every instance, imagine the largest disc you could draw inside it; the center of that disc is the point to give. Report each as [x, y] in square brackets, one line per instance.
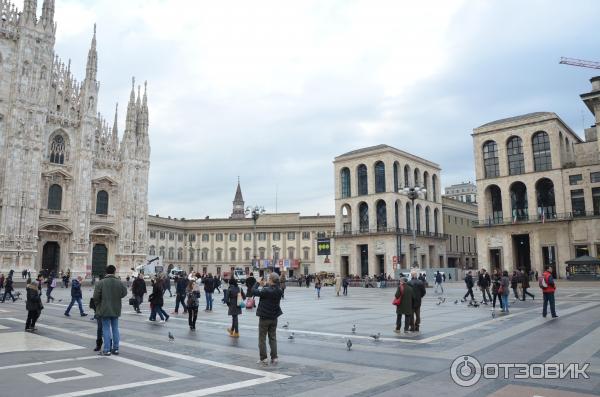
[58, 360]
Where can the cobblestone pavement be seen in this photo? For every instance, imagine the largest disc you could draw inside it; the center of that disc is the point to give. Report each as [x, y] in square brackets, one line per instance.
[58, 360]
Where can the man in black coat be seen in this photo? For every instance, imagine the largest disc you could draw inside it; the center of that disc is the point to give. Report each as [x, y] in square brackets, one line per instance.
[469, 284]
[209, 289]
[268, 311]
[8, 288]
[418, 294]
[250, 281]
[138, 289]
[180, 287]
[484, 283]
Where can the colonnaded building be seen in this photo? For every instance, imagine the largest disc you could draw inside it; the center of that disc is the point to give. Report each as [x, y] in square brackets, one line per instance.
[286, 243]
[374, 221]
[71, 195]
[538, 185]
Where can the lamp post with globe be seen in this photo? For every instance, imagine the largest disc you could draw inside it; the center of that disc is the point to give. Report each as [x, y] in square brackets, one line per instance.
[414, 193]
[255, 212]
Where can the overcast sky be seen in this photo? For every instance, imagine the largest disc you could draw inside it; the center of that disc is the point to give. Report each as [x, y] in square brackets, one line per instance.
[272, 91]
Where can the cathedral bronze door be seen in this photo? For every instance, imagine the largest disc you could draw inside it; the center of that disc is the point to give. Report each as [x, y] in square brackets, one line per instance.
[51, 257]
[99, 259]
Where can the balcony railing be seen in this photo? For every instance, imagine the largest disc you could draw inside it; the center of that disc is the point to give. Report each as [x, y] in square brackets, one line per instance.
[387, 230]
[540, 218]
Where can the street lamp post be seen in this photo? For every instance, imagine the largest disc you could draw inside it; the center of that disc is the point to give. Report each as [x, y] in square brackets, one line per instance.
[255, 212]
[413, 193]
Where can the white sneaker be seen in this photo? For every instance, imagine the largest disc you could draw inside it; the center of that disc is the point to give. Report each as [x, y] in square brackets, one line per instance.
[162, 321]
[263, 363]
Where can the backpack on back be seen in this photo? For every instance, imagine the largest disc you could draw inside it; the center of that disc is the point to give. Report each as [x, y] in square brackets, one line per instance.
[542, 282]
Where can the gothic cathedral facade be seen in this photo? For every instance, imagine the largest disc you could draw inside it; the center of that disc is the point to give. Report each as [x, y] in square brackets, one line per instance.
[72, 196]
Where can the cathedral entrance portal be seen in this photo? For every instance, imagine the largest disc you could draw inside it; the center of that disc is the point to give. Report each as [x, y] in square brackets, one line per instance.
[51, 257]
[99, 260]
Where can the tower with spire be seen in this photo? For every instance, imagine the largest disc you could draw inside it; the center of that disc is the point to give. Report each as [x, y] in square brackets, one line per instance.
[77, 196]
[238, 204]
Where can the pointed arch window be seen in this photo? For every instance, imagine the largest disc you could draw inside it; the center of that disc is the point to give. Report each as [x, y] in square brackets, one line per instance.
[58, 150]
[379, 177]
[55, 198]
[102, 203]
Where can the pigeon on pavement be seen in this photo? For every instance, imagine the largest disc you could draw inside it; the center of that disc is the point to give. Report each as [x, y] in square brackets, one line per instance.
[354, 329]
[349, 344]
[376, 337]
[456, 302]
[291, 337]
[286, 325]
[171, 337]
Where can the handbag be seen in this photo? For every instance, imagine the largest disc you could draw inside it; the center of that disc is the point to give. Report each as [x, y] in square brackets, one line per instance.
[240, 300]
[397, 301]
[501, 290]
[132, 301]
[250, 303]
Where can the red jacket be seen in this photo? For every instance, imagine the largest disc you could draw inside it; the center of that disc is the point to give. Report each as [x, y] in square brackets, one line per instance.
[550, 282]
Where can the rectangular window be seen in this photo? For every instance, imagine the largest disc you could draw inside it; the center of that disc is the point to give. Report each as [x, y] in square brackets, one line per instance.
[205, 237]
[305, 255]
[232, 237]
[581, 250]
[291, 236]
[575, 179]
[192, 238]
[218, 270]
[276, 236]
[152, 233]
[549, 256]
[179, 236]
[219, 255]
[577, 202]
[598, 251]
[596, 200]
[232, 255]
[171, 236]
[162, 235]
[321, 234]
[247, 255]
[305, 235]
[219, 237]
[247, 236]
[450, 239]
[204, 270]
[595, 177]
[262, 236]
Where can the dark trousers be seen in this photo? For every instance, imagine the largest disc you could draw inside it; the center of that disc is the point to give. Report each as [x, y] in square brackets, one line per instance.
[416, 319]
[73, 300]
[407, 321]
[549, 298]
[49, 294]
[494, 300]
[178, 299]
[485, 290]
[192, 315]
[516, 293]
[98, 332]
[138, 302]
[234, 323]
[525, 292]
[8, 293]
[32, 316]
[345, 290]
[267, 327]
[469, 292]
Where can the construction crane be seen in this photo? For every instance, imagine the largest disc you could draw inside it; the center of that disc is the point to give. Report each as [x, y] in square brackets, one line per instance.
[579, 62]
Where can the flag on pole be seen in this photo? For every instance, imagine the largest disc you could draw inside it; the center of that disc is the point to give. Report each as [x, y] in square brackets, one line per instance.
[515, 216]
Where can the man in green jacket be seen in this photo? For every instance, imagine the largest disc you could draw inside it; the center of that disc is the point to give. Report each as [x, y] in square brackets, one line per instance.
[107, 297]
[406, 296]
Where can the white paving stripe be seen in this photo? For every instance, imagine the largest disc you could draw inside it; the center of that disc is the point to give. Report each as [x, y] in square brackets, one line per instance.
[579, 352]
[63, 360]
[265, 375]
[84, 373]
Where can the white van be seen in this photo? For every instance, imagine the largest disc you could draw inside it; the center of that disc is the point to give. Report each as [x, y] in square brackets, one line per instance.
[240, 275]
[175, 272]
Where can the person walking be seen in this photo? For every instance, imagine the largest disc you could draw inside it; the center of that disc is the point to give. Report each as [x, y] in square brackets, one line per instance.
[514, 284]
[138, 290]
[526, 286]
[167, 285]
[233, 294]
[180, 294]
[157, 301]
[193, 302]
[250, 281]
[438, 282]
[2, 278]
[217, 281]
[282, 285]
[318, 286]
[51, 284]
[307, 281]
[496, 278]
[33, 305]
[419, 292]
[469, 284]
[338, 284]
[484, 284]
[345, 283]
[209, 289]
[107, 296]
[548, 286]
[8, 289]
[503, 291]
[268, 311]
[76, 296]
[404, 293]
